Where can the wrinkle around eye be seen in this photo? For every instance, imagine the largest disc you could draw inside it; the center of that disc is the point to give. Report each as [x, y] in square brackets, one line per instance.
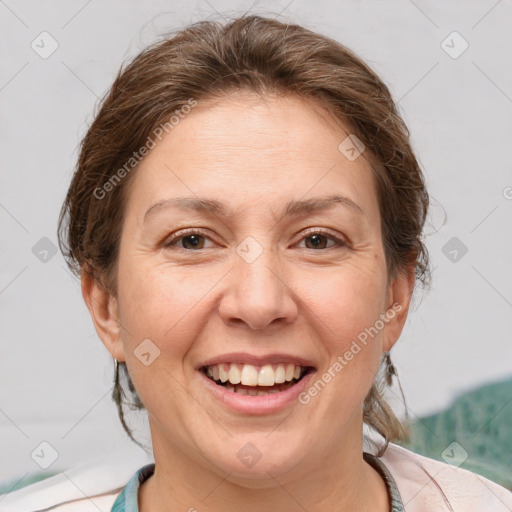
[336, 242]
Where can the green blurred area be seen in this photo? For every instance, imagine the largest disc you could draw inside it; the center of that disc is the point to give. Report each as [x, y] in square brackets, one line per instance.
[19, 484]
[480, 421]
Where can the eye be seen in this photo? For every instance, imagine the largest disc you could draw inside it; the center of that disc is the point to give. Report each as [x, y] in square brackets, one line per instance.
[318, 239]
[192, 239]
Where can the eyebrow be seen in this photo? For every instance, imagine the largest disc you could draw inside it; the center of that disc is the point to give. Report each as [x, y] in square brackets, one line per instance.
[293, 208]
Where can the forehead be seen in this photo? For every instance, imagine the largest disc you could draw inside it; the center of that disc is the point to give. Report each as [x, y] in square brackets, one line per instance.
[251, 151]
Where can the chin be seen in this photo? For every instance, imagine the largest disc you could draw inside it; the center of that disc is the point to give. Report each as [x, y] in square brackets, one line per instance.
[254, 460]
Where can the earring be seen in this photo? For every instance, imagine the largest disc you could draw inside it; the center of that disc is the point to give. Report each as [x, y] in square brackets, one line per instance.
[115, 391]
[390, 368]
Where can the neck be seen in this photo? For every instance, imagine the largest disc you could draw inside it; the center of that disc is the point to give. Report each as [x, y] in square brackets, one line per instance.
[341, 480]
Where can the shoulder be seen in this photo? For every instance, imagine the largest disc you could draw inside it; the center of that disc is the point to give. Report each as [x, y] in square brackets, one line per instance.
[90, 488]
[426, 484]
[99, 503]
[56, 494]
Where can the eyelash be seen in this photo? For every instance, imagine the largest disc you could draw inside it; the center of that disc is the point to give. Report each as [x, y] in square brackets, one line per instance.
[195, 231]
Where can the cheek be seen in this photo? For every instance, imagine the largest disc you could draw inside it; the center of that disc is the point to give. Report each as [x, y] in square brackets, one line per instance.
[170, 304]
[167, 307]
[348, 308]
[163, 303]
[347, 299]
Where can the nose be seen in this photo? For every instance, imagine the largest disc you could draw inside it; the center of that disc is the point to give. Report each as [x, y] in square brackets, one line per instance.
[258, 294]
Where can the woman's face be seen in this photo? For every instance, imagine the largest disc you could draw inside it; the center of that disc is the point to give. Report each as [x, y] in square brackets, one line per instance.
[273, 274]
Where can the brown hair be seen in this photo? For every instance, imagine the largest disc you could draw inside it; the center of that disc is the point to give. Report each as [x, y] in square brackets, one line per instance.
[209, 60]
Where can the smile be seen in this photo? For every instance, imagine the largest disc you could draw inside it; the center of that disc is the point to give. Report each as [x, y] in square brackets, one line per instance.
[248, 379]
[255, 390]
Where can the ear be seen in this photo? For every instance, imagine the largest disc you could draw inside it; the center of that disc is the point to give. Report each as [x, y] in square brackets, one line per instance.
[104, 311]
[398, 301]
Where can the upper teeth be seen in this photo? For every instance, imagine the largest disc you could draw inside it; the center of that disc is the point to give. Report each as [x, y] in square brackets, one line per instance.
[251, 375]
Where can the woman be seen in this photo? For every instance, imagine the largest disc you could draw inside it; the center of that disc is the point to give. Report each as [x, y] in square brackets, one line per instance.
[246, 218]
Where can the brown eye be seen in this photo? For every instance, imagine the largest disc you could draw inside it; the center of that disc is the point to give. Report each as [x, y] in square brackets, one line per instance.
[319, 239]
[194, 241]
[191, 240]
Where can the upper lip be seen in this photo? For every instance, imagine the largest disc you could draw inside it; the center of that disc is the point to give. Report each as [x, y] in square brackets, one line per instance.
[261, 360]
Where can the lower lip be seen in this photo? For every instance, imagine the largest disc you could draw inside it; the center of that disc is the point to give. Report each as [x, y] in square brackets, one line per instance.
[248, 404]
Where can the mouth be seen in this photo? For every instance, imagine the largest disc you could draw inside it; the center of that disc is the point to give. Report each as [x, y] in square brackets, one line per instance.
[256, 380]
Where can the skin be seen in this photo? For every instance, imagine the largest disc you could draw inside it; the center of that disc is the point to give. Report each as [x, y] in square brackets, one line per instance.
[310, 300]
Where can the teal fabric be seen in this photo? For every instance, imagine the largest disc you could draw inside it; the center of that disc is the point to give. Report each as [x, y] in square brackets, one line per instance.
[393, 493]
[127, 501]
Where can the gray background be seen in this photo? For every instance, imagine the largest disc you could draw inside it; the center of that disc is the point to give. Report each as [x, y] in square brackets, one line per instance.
[55, 373]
